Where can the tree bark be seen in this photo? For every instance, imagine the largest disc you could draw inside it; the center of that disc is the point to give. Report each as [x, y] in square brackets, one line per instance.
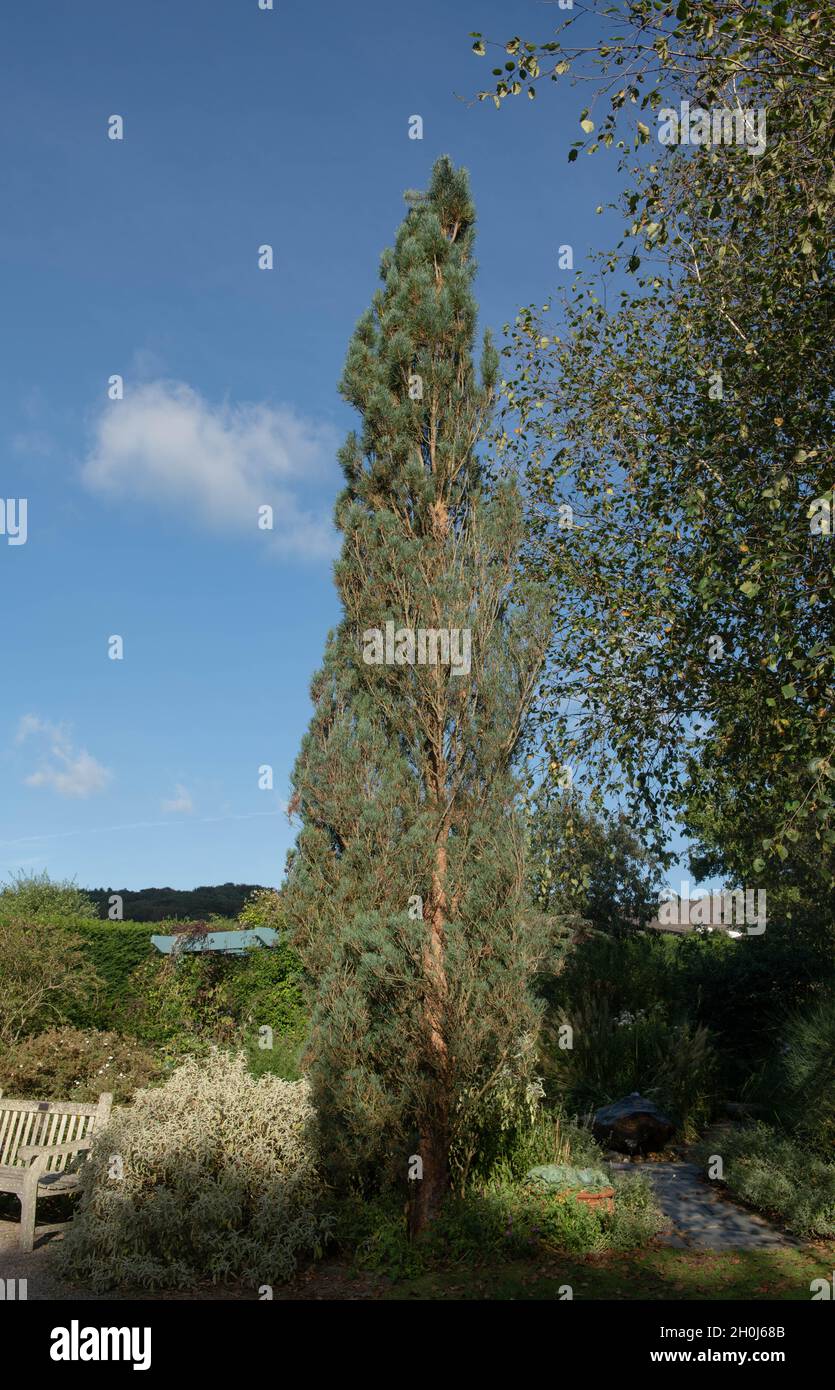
[430, 1190]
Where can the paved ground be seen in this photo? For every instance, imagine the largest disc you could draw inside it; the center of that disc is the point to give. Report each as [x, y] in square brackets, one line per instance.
[701, 1216]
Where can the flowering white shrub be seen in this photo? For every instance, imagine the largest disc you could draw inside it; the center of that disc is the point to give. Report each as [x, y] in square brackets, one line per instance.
[77, 1064]
[209, 1177]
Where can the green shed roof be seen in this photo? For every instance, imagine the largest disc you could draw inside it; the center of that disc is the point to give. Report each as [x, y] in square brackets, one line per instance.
[230, 943]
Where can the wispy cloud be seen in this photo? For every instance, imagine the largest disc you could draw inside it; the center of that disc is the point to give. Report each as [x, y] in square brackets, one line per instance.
[136, 825]
[70, 771]
[168, 447]
[181, 801]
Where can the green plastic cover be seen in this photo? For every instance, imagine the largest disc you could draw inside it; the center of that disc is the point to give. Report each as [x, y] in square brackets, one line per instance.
[561, 1177]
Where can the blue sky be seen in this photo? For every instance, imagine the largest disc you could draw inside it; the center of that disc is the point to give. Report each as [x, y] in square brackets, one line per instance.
[139, 257]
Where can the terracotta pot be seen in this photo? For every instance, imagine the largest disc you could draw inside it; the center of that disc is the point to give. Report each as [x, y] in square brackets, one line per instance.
[603, 1198]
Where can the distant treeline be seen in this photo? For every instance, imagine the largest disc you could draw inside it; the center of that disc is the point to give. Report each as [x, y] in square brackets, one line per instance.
[188, 904]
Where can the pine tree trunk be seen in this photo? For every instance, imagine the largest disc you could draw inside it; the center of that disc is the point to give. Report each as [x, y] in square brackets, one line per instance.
[431, 1189]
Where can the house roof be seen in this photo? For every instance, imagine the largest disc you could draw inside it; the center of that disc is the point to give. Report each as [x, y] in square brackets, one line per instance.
[681, 915]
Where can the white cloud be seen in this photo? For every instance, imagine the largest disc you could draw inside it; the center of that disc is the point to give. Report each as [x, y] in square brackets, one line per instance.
[181, 801]
[69, 771]
[32, 724]
[164, 444]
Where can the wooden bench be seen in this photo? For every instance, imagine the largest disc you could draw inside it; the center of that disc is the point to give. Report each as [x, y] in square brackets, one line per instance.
[38, 1141]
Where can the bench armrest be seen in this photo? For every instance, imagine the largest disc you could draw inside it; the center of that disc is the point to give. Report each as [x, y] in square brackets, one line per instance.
[54, 1150]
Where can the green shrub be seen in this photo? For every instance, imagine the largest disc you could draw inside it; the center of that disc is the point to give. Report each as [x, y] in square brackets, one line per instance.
[219, 1182]
[172, 1001]
[496, 1221]
[740, 990]
[71, 1064]
[38, 898]
[804, 1085]
[612, 1056]
[503, 1220]
[684, 1082]
[161, 999]
[374, 1232]
[283, 1059]
[221, 999]
[263, 908]
[776, 1175]
[743, 990]
[631, 974]
[262, 989]
[491, 1114]
[550, 1137]
[43, 975]
[502, 1215]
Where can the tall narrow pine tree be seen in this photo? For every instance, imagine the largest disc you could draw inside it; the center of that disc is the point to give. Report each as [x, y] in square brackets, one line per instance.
[406, 889]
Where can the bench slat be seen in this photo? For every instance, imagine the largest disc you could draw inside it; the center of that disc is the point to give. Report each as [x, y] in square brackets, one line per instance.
[44, 1125]
[44, 1107]
[28, 1127]
[6, 1120]
[48, 1132]
[25, 1122]
[62, 1132]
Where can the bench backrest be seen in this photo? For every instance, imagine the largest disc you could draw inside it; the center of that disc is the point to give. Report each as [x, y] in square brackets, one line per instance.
[47, 1122]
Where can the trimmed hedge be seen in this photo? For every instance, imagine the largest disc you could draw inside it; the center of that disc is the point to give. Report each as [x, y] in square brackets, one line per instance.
[115, 949]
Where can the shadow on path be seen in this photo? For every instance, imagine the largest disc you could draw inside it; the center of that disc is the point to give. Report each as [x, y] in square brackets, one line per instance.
[701, 1216]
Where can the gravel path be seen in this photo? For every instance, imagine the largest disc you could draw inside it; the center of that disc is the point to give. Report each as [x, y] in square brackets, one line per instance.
[701, 1216]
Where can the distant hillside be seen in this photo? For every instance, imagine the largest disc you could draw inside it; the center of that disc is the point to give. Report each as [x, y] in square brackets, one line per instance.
[189, 904]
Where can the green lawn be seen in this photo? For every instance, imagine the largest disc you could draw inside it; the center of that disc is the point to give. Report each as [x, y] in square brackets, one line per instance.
[650, 1274]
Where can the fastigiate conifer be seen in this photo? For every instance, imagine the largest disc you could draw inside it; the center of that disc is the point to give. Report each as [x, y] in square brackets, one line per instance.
[406, 888]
